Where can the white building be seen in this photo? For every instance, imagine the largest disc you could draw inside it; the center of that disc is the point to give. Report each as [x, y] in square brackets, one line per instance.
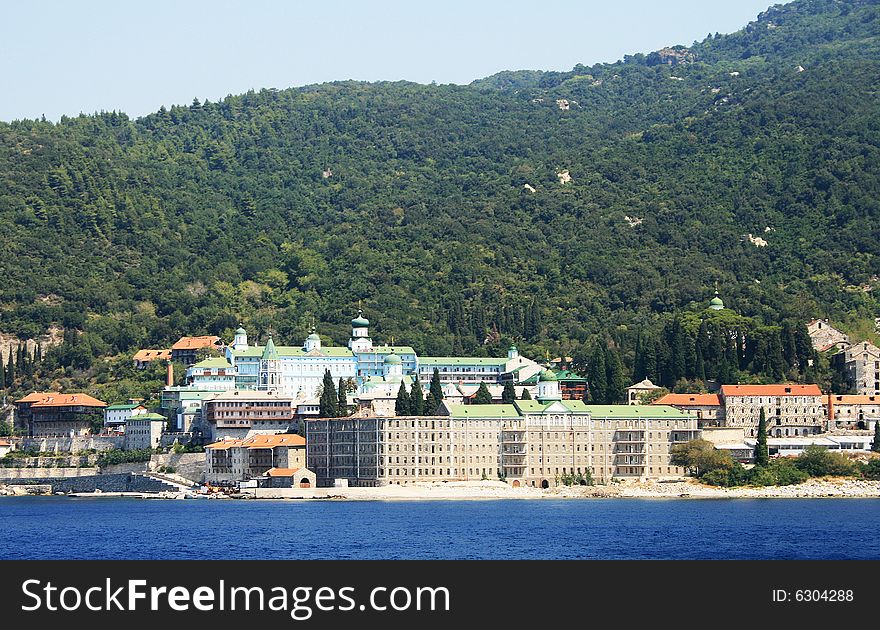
[117, 415]
[293, 371]
[214, 374]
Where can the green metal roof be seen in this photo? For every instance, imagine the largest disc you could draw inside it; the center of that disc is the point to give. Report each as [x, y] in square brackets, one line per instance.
[149, 416]
[530, 406]
[483, 411]
[389, 350]
[534, 406]
[270, 353]
[428, 361]
[292, 351]
[121, 407]
[634, 411]
[393, 359]
[213, 362]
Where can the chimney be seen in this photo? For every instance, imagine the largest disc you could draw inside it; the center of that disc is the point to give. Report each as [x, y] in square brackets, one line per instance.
[830, 412]
[169, 378]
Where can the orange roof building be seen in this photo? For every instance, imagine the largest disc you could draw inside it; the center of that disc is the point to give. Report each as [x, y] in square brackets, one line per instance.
[142, 357]
[790, 409]
[196, 343]
[785, 389]
[232, 460]
[689, 400]
[46, 414]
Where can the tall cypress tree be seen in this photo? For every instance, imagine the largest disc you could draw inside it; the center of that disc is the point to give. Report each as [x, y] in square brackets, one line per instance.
[435, 393]
[341, 399]
[876, 444]
[509, 393]
[416, 400]
[598, 376]
[2, 372]
[328, 402]
[10, 368]
[616, 381]
[482, 397]
[525, 395]
[762, 454]
[401, 405]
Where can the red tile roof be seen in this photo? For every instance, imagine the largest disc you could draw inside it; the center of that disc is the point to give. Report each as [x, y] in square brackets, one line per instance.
[282, 472]
[194, 343]
[35, 397]
[855, 399]
[688, 400]
[784, 389]
[151, 355]
[271, 441]
[67, 400]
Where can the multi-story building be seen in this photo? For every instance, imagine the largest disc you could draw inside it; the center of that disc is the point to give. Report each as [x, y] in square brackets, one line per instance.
[116, 415]
[183, 405]
[232, 460]
[293, 371]
[862, 367]
[824, 336]
[213, 373]
[144, 431]
[50, 414]
[184, 349]
[536, 443]
[789, 409]
[845, 411]
[706, 407]
[489, 370]
[240, 414]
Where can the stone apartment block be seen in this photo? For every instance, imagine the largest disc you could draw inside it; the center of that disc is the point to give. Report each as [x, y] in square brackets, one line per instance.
[845, 411]
[534, 443]
[790, 410]
[862, 367]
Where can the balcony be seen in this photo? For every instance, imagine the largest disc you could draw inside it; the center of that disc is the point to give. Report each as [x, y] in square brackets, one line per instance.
[629, 437]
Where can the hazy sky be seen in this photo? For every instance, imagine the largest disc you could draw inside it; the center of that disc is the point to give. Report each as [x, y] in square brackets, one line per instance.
[66, 57]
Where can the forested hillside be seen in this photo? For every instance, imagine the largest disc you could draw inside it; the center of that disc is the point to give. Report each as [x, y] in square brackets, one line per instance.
[753, 163]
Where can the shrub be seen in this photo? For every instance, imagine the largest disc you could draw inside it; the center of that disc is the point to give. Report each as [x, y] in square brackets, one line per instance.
[871, 470]
[818, 461]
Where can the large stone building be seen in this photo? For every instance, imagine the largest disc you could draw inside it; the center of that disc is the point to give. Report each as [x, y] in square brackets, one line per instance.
[537, 443]
[862, 367]
[789, 409]
[231, 460]
[144, 431]
[45, 414]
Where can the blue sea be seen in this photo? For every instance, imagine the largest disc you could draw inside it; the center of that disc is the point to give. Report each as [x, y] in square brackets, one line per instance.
[120, 528]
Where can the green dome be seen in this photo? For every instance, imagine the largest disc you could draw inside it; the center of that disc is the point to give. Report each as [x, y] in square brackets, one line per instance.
[393, 359]
[314, 337]
[547, 375]
[360, 321]
[716, 303]
[240, 331]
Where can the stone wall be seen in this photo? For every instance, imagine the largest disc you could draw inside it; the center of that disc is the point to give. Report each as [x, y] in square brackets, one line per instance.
[45, 473]
[188, 465]
[104, 483]
[130, 467]
[72, 444]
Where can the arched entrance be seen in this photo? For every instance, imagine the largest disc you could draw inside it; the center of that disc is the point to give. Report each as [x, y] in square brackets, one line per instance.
[545, 484]
[305, 483]
[515, 483]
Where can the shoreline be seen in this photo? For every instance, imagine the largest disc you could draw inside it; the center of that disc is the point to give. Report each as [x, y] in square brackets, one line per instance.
[836, 488]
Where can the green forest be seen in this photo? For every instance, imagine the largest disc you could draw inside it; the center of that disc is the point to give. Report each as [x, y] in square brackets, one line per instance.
[574, 213]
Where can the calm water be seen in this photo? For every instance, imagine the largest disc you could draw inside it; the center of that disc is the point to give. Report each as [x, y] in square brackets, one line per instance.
[57, 527]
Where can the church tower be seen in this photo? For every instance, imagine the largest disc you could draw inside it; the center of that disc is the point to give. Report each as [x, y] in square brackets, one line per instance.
[240, 342]
[360, 336]
[270, 367]
[548, 387]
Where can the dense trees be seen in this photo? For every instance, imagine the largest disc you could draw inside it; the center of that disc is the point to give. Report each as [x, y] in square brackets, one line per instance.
[329, 401]
[128, 233]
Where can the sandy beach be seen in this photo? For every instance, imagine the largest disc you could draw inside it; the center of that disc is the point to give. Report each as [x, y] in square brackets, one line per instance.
[484, 490]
